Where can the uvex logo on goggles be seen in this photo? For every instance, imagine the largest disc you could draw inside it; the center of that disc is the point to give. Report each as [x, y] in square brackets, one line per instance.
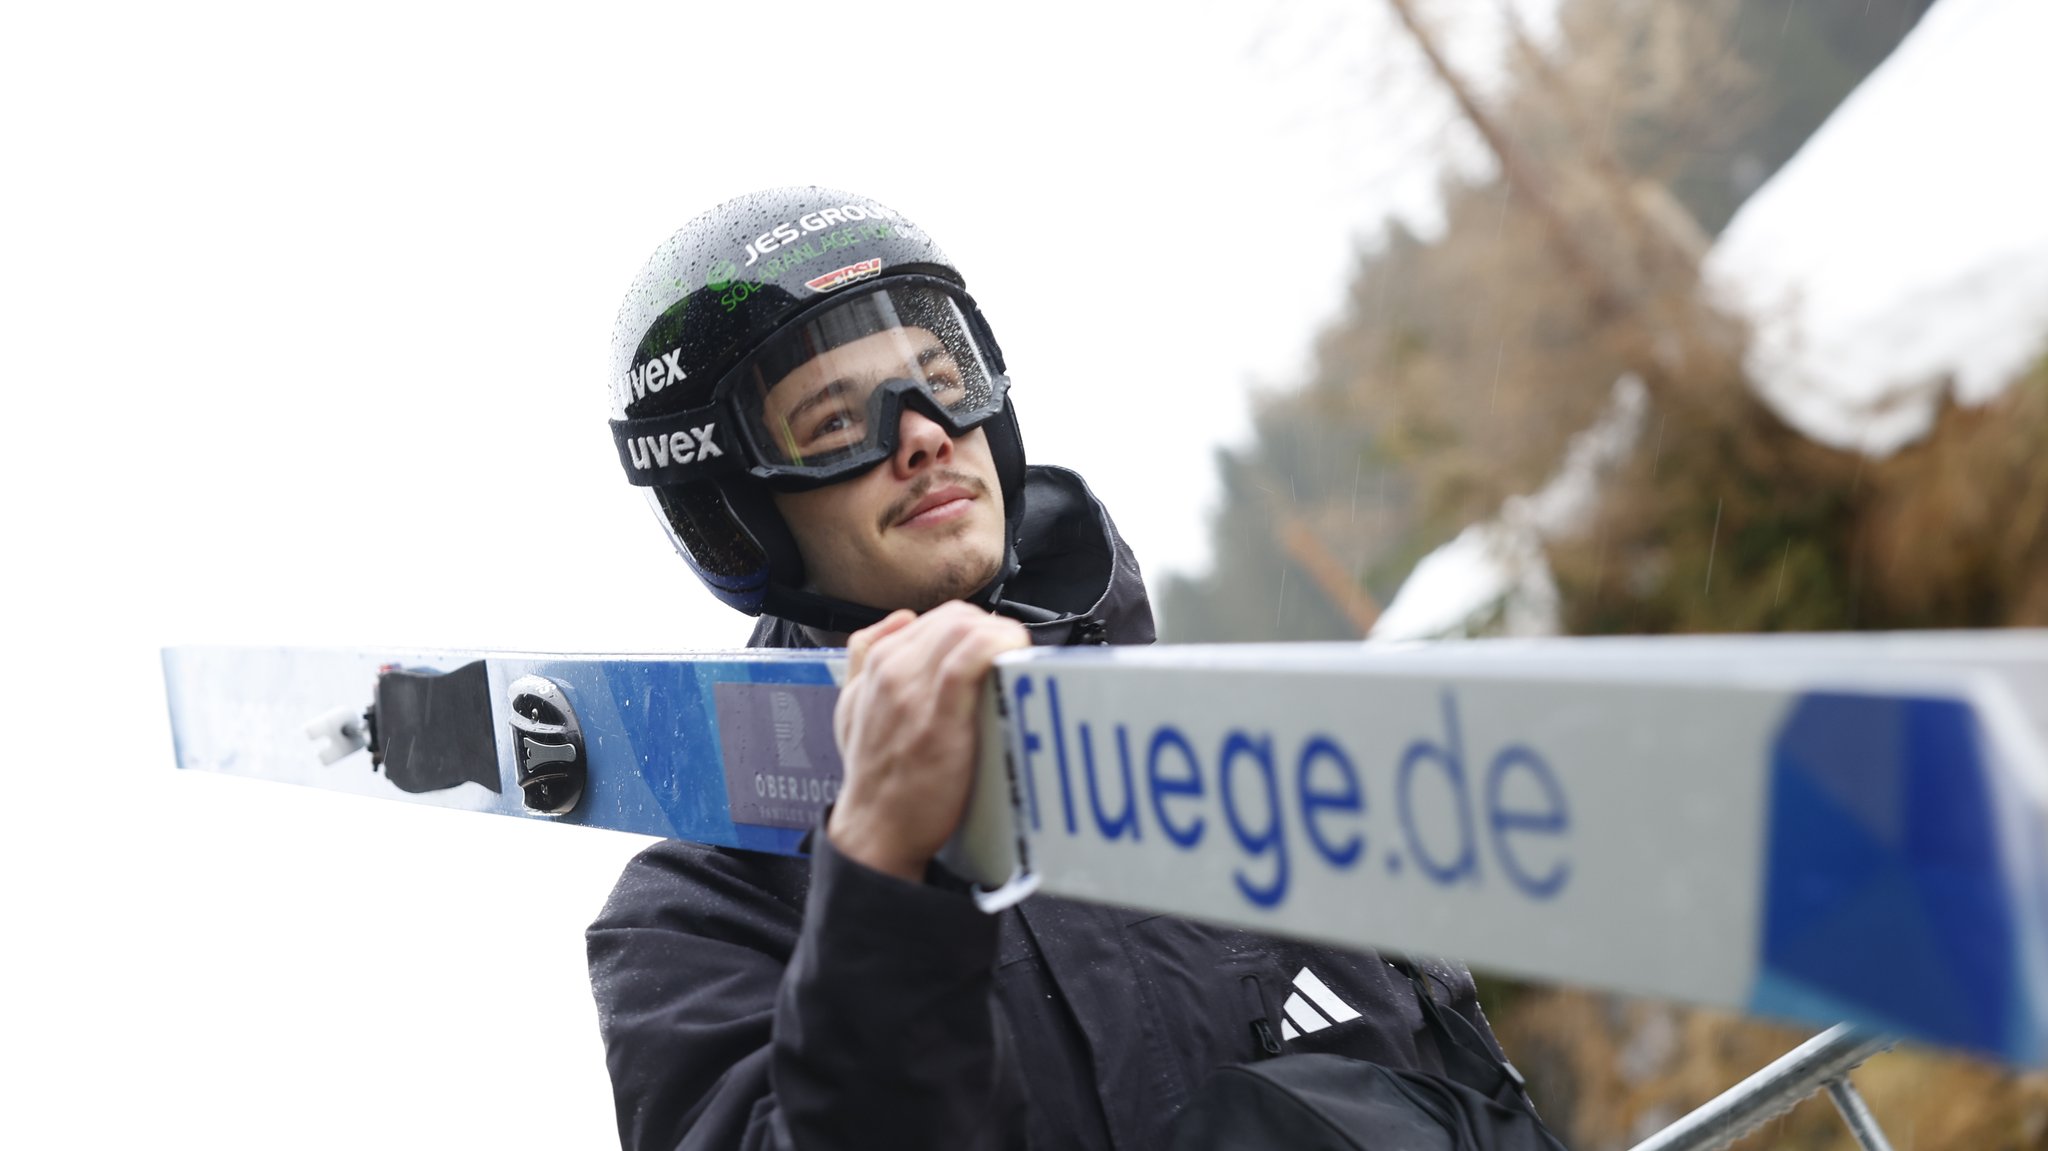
[674, 448]
[685, 446]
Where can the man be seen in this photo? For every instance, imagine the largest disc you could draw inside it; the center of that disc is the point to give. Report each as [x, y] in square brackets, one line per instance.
[821, 415]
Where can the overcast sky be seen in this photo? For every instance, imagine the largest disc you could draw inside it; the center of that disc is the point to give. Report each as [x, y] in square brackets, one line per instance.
[307, 319]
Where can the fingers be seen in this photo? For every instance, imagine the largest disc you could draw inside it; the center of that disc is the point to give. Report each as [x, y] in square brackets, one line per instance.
[905, 724]
[859, 643]
[933, 661]
[964, 666]
[954, 640]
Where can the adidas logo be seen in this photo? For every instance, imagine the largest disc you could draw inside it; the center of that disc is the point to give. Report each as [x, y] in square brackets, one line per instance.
[1312, 1007]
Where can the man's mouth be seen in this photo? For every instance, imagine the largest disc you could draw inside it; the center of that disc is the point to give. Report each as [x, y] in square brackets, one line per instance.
[937, 500]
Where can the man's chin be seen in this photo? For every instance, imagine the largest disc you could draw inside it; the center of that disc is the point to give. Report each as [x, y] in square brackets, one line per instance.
[958, 577]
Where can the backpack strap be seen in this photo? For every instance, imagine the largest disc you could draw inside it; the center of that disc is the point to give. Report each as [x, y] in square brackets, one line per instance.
[1467, 1058]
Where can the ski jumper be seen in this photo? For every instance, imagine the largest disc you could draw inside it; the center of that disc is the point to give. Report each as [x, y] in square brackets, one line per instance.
[758, 1001]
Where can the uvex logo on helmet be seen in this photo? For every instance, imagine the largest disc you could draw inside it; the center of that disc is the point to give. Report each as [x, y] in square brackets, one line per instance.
[787, 231]
[654, 375]
[689, 445]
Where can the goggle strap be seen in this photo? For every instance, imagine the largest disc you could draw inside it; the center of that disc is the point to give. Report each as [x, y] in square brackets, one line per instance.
[677, 448]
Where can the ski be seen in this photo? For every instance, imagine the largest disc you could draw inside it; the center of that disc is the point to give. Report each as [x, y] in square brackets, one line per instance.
[1820, 828]
[638, 747]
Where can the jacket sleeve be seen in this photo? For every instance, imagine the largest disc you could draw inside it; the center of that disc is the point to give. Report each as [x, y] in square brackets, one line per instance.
[736, 1012]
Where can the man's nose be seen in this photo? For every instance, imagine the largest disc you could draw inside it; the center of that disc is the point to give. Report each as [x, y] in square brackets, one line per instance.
[920, 443]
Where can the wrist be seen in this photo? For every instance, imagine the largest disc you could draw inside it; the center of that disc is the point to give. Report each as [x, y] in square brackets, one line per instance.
[870, 846]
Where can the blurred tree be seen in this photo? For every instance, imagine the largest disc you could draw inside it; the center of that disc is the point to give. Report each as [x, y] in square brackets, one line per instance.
[1456, 369]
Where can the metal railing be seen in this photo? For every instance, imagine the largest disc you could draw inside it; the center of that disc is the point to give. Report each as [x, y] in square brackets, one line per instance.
[1823, 1061]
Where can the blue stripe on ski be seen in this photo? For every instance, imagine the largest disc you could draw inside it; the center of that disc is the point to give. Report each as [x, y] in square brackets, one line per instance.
[645, 716]
[1885, 898]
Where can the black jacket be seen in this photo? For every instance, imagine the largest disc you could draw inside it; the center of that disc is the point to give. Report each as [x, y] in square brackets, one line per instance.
[763, 1001]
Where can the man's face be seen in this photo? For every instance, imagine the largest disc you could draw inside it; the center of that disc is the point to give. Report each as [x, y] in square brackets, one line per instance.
[918, 529]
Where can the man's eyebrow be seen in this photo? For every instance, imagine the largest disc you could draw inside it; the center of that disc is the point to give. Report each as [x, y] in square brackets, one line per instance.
[831, 389]
[838, 387]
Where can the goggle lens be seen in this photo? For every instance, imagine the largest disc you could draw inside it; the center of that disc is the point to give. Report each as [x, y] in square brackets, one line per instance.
[812, 401]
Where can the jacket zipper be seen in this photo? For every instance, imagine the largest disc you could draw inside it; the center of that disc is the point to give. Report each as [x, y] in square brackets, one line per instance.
[1265, 1044]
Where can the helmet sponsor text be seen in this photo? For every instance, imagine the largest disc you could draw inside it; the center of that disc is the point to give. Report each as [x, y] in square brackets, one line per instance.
[655, 375]
[790, 231]
[724, 276]
[814, 247]
[840, 277]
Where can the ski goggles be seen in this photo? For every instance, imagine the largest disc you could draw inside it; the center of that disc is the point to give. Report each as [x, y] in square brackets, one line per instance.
[822, 400]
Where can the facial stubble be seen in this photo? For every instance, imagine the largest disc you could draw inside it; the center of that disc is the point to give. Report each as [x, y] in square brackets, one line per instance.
[955, 576]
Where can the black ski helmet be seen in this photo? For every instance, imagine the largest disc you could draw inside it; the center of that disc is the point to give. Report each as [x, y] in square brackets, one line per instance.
[706, 312]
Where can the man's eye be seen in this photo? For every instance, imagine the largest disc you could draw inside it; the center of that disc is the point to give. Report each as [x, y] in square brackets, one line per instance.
[833, 428]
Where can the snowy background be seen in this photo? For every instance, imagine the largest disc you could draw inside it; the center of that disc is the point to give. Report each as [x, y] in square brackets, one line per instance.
[1904, 250]
[1900, 255]
[307, 318]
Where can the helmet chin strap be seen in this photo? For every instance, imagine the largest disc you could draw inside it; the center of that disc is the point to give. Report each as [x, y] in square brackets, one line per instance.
[820, 613]
[1024, 612]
